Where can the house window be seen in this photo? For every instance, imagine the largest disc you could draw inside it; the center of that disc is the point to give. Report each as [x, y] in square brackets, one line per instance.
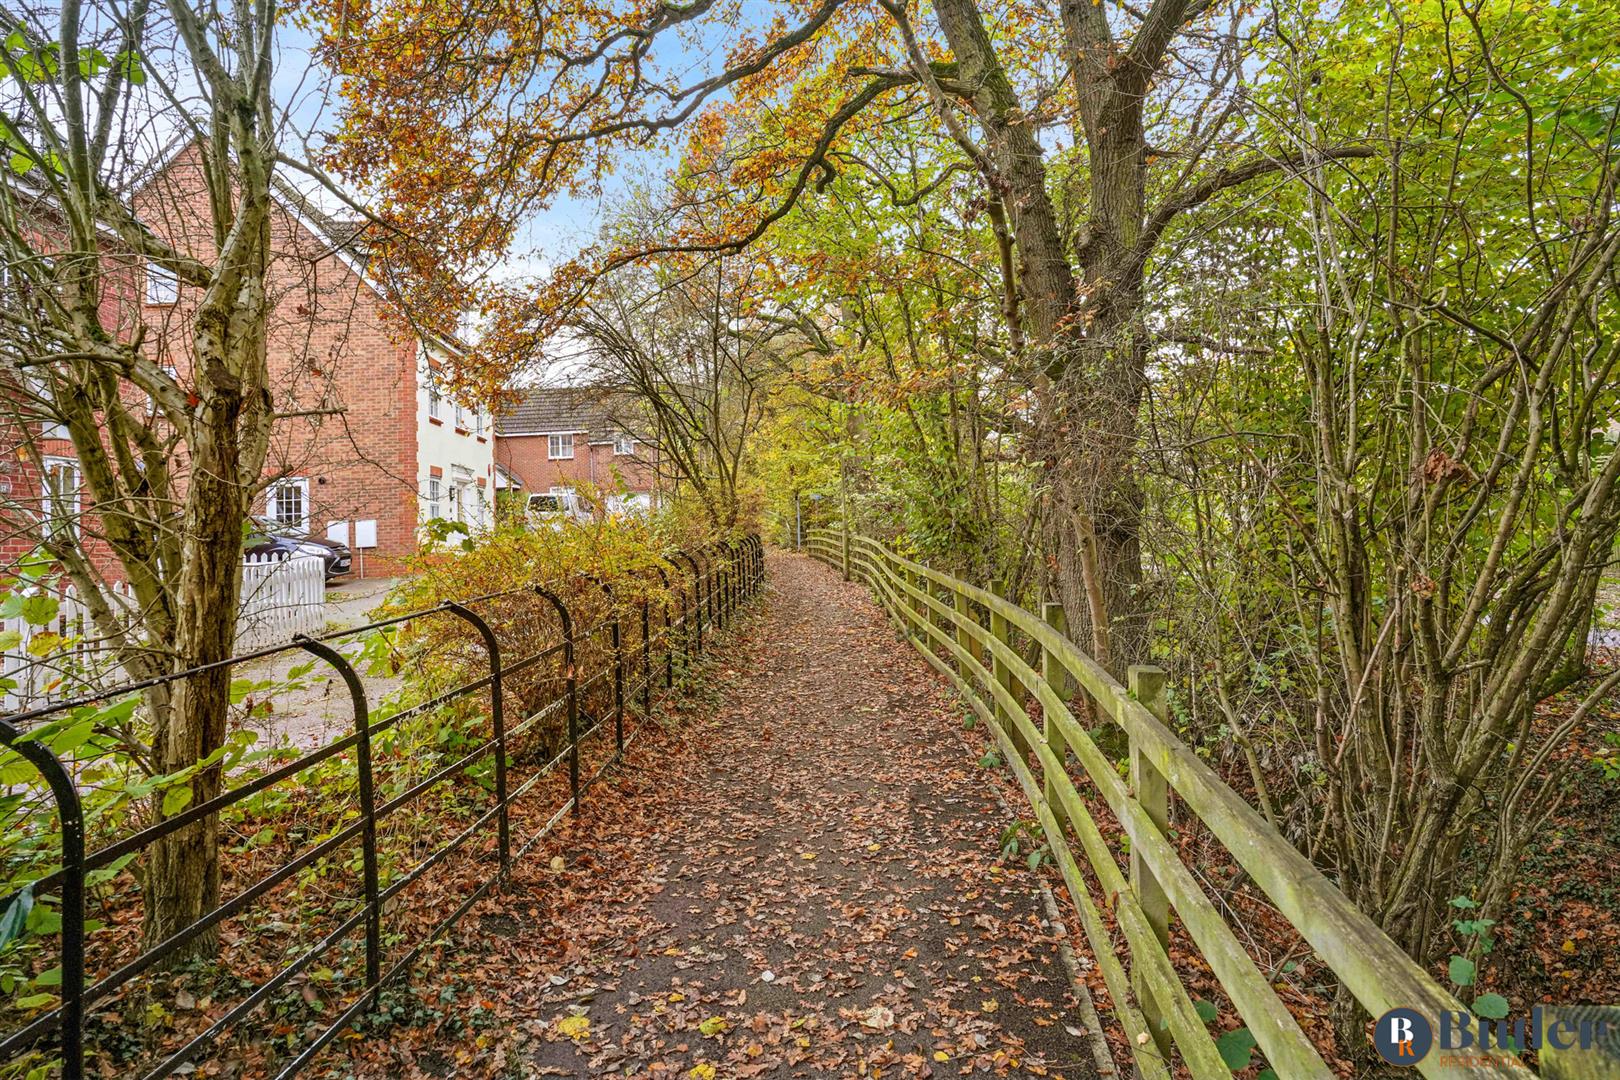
[432, 497]
[560, 446]
[59, 497]
[162, 287]
[287, 503]
[49, 427]
[623, 445]
[478, 421]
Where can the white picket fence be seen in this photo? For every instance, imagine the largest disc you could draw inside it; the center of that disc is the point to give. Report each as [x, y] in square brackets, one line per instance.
[281, 597]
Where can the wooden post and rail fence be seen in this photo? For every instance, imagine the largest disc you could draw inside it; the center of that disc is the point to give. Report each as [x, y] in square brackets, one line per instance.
[979, 641]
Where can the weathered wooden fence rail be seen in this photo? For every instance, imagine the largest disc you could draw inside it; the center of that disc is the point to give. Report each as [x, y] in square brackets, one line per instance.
[979, 642]
[609, 662]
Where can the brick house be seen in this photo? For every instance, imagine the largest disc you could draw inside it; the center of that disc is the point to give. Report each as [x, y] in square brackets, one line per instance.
[26, 490]
[556, 439]
[367, 447]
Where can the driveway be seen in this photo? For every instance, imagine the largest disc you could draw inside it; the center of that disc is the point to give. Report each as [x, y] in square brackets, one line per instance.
[320, 710]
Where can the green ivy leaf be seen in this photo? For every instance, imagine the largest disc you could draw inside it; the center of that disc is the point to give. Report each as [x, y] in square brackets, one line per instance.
[1461, 970]
[1236, 1048]
[1491, 1006]
[1206, 1010]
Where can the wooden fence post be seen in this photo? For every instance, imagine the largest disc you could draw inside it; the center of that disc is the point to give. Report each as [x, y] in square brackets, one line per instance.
[1153, 793]
[1001, 630]
[1055, 675]
[917, 608]
[846, 549]
[964, 636]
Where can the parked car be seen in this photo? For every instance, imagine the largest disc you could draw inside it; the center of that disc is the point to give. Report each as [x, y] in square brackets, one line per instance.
[275, 538]
[558, 508]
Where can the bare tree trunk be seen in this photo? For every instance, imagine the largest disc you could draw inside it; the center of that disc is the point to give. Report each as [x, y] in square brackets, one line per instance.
[183, 874]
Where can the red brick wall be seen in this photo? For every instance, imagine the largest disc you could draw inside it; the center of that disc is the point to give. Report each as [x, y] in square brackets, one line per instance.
[334, 349]
[21, 486]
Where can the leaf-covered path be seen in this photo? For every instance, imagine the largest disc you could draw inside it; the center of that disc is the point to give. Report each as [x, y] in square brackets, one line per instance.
[802, 882]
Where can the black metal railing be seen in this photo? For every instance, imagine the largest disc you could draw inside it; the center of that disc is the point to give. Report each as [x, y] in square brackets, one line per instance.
[633, 648]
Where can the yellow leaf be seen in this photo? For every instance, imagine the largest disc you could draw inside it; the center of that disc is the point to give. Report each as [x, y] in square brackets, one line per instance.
[714, 1025]
[677, 997]
[807, 855]
[990, 1006]
[1568, 945]
[577, 1028]
[940, 1055]
[702, 1071]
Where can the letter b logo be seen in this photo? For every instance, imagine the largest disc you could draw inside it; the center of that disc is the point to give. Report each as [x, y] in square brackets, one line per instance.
[1402, 1037]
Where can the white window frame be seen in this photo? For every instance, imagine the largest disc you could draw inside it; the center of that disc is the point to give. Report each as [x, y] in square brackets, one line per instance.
[556, 443]
[48, 428]
[435, 399]
[50, 504]
[478, 421]
[433, 485]
[624, 445]
[272, 499]
[162, 286]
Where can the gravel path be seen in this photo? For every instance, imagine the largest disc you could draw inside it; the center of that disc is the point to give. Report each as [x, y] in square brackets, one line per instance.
[801, 880]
